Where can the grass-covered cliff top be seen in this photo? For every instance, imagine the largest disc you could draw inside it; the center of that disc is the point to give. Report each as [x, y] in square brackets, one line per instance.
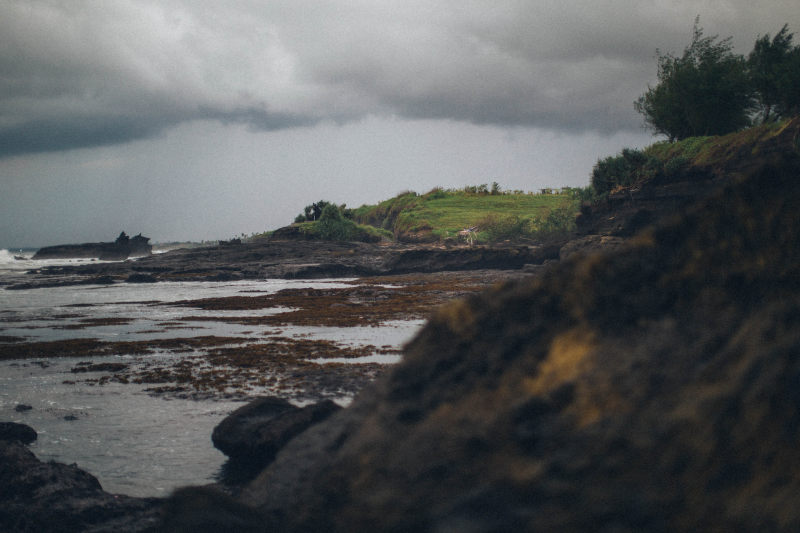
[716, 156]
[469, 215]
[440, 215]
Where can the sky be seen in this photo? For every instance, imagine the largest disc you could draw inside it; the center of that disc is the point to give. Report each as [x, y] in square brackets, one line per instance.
[202, 120]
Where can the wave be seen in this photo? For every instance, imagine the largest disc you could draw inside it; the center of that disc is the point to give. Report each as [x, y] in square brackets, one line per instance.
[7, 256]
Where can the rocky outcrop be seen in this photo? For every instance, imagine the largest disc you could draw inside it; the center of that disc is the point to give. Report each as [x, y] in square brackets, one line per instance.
[437, 259]
[290, 259]
[54, 497]
[122, 248]
[649, 388]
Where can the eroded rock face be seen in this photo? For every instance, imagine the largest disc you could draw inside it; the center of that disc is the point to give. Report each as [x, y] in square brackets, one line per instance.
[655, 388]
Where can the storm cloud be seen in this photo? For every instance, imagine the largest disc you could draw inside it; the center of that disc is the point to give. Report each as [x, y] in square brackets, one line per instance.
[82, 74]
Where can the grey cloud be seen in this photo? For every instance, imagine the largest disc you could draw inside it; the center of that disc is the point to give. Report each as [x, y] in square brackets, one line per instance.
[48, 135]
[80, 74]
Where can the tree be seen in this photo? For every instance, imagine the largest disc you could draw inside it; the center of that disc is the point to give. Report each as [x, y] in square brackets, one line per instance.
[774, 68]
[705, 91]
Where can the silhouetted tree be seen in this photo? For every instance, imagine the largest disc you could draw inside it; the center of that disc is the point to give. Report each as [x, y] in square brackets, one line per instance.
[705, 91]
[774, 68]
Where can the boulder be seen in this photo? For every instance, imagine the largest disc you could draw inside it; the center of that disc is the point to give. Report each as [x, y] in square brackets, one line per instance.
[254, 433]
[12, 431]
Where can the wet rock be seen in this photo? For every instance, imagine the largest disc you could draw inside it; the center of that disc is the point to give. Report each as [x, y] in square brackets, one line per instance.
[12, 431]
[21, 408]
[253, 434]
[54, 497]
[141, 278]
[98, 367]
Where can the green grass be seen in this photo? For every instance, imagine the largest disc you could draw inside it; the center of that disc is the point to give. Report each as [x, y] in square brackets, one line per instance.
[442, 214]
[710, 151]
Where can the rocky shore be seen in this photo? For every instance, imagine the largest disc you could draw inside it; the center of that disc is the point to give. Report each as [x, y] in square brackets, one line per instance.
[647, 380]
[53, 497]
[289, 259]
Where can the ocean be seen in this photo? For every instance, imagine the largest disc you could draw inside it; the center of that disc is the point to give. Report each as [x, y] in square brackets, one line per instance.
[136, 439]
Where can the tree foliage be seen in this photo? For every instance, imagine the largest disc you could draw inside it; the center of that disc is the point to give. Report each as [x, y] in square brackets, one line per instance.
[314, 211]
[774, 67]
[624, 169]
[705, 91]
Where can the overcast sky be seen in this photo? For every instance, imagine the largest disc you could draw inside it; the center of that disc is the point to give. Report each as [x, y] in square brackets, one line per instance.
[190, 119]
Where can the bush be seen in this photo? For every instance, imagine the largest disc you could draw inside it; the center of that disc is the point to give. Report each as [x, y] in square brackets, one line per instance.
[333, 226]
[629, 167]
[497, 228]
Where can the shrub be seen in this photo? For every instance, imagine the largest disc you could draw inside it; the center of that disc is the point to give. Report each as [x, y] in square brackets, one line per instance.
[333, 226]
[554, 223]
[629, 167]
[500, 228]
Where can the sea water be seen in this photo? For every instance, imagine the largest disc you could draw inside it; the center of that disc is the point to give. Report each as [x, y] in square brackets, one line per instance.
[133, 442]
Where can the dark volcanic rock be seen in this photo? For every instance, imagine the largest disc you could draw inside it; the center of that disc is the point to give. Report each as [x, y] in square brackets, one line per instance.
[54, 497]
[253, 434]
[292, 259]
[12, 431]
[434, 259]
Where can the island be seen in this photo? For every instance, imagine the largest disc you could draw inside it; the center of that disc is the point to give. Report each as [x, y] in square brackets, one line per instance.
[122, 248]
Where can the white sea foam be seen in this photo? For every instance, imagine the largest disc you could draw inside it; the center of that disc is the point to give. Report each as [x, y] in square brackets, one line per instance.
[7, 256]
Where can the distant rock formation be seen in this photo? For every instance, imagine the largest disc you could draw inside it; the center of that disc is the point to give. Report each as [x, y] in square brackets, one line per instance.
[122, 248]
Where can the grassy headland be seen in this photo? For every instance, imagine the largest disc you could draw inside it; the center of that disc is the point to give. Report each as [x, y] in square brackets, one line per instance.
[440, 214]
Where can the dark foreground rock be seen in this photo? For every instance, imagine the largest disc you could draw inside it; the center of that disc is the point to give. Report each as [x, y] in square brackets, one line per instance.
[52, 497]
[12, 431]
[652, 388]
